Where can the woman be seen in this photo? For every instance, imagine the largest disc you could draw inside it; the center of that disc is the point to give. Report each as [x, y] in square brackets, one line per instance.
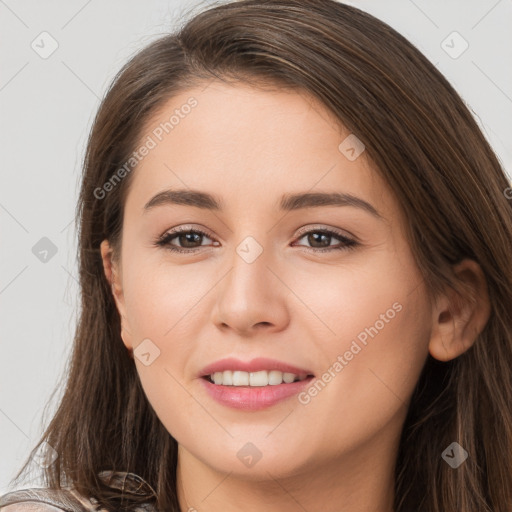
[296, 281]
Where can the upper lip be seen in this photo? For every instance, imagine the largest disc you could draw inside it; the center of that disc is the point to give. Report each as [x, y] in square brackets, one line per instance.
[255, 365]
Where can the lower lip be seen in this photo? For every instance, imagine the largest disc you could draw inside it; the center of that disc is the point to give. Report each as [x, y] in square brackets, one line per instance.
[253, 398]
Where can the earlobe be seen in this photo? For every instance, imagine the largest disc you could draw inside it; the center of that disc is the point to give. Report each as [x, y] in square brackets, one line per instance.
[458, 320]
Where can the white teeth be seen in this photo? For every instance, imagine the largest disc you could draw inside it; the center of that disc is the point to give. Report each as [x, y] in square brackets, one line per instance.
[256, 379]
[275, 377]
[227, 377]
[239, 378]
[288, 377]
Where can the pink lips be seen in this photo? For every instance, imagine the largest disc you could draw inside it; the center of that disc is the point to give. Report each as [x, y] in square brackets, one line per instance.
[253, 398]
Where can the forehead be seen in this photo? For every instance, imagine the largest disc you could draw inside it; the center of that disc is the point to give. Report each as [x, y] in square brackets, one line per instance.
[240, 142]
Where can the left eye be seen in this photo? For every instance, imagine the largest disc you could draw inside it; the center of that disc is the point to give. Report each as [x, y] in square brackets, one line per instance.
[324, 238]
[188, 236]
[188, 239]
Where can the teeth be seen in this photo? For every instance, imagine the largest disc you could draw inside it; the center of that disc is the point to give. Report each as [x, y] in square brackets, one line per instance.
[256, 379]
[275, 377]
[239, 378]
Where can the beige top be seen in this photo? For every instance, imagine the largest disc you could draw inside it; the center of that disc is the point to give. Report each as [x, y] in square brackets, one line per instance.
[68, 500]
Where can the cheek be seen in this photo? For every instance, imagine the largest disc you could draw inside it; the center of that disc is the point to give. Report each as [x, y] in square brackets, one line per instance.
[164, 316]
[161, 297]
[375, 359]
[378, 322]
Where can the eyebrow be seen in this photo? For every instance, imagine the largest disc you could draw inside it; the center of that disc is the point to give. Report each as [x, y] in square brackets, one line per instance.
[289, 202]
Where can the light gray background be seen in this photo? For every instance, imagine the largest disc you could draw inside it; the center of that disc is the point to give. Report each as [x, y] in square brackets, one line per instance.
[47, 106]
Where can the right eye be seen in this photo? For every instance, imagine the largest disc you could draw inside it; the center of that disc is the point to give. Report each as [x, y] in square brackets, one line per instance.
[187, 238]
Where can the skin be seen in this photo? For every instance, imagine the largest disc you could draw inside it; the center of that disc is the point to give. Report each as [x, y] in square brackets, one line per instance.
[248, 147]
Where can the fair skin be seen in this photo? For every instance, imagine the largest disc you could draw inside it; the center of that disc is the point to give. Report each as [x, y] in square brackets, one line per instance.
[248, 147]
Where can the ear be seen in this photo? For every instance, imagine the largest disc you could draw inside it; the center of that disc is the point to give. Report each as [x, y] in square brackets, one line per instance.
[458, 320]
[113, 275]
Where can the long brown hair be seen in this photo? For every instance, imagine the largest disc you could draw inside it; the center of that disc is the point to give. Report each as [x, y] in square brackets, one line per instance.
[449, 185]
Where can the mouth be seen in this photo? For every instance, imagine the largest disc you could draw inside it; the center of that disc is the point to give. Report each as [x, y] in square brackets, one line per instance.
[258, 372]
[253, 385]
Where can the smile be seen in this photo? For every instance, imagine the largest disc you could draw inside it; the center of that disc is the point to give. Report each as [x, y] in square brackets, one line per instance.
[253, 385]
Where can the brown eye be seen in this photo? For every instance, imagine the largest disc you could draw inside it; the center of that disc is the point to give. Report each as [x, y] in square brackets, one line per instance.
[323, 239]
[189, 240]
[320, 240]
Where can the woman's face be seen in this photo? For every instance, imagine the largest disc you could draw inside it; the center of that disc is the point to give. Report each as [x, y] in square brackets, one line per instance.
[327, 287]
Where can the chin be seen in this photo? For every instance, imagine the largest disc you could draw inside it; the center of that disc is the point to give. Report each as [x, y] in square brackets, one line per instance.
[259, 459]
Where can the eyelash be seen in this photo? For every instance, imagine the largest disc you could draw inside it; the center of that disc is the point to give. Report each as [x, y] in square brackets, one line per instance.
[166, 238]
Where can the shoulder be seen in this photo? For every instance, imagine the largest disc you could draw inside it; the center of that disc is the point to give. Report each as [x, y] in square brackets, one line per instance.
[40, 499]
[30, 507]
[68, 500]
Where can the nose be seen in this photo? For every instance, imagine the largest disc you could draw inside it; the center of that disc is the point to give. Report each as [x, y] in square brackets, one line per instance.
[250, 299]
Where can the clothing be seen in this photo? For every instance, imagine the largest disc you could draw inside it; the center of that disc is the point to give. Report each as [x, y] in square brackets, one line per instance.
[68, 500]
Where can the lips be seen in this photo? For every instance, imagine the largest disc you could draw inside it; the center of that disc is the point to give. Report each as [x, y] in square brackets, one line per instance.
[252, 399]
[255, 365]
[257, 395]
